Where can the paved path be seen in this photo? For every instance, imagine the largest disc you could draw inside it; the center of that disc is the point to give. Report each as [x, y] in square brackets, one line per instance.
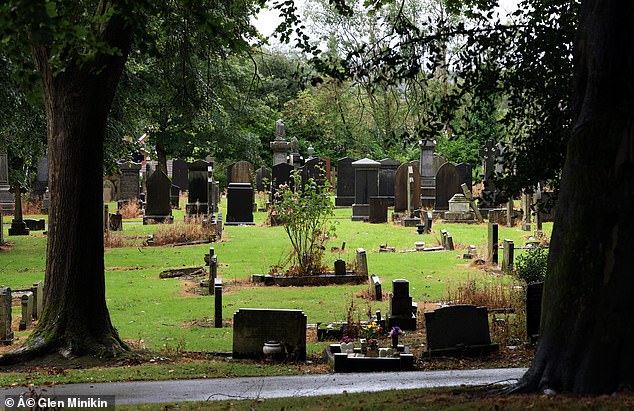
[137, 392]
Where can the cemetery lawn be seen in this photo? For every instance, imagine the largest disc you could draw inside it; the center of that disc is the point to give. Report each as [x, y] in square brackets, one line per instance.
[171, 319]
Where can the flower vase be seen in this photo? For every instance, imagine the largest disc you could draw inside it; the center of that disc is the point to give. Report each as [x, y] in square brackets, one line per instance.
[394, 341]
[364, 345]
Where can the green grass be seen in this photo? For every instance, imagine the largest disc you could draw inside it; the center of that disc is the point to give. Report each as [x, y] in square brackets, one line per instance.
[158, 313]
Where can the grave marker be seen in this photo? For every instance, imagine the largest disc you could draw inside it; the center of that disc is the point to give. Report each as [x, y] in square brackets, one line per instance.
[38, 298]
[27, 310]
[180, 174]
[448, 182]
[6, 334]
[362, 262]
[7, 200]
[198, 183]
[240, 198]
[492, 243]
[366, 185]
[507, 258]
[402, 309]
[534, 294]
[345, 182]
[427, 173]
[129, 182]
[217, 302]
[158, 207]
[458, 327]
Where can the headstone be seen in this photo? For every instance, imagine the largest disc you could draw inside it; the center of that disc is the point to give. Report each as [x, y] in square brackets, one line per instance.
[492, 243]
[263, 179]
[466, 174]
[6, 333]
[366, 185]
[179, 174]
[378, 210]
[240, 199]
[217, 302]
[38, 298]
[407, 180]
[507, 258]
[158, 207]
[295, 159]
[387, 176]
[457, 326]
[282, 174]
[468, 196]
[109, 191]
[527, 202]
[362, 262]
[314, 168]
[534, 294]
[7, 200]
[27, 310]
[35, 225]
[253, 327]
[458, 210]
[240, 172]
[427, 173]
[340, 267]
[1, 228]
[279, 146]
[447, 184]
[345, 182]
[402, 310]
[198, 183]
[41, 178]
[129, 182]
[175, 192]
[376, 293]
[115, 222]
[488, 194]
[18, 226]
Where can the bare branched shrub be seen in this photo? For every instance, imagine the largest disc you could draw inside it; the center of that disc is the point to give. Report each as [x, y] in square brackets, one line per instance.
[131, 209]
[186, 232]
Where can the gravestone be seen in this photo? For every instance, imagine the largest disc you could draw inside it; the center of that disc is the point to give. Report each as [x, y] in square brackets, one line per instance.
[427, 173]
[217, 302]
[240, 199]
[180, 174]
[263, 179]
[459, 210]
[7, 200]
[35, 225]
[488, 194]
[439, 160]
[534, 294]
[507, 258]
[1, 228]
[115, 221]
[448, 183]
[158, 207]
[240, 172]
[314, 168]
[387, 175]
[466, 174]
[279, 146]
[345, 182]
[378, 210]
[340, 267]
[198, 182]
[27, 310]
[18, 226]
[6, 333]
[402, 310]
[361, 262]
[38, 298]
[282, 174]
[109, 191]
[407, 176]
[175, 192]
[253, 327]
[41, 178]
[458, 326]
[129, 182]
[366, 185]
[376, 292]
[492, 243]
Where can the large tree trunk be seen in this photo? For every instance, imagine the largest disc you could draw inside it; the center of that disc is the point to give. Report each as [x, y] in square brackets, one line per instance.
[587, 333]
[75, 320]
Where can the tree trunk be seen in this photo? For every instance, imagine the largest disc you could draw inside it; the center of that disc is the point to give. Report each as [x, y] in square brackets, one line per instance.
[75, 320]
[587, 326]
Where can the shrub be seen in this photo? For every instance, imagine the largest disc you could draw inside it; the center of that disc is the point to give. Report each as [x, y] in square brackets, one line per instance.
[531, 266]
[303, 212]
[131, 209]
[177, 233]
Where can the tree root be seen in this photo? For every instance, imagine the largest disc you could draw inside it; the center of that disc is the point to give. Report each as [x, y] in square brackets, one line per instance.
[26, 352]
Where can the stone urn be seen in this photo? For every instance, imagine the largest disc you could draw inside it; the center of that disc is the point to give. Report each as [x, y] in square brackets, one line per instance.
[272, 349]
[420, 228]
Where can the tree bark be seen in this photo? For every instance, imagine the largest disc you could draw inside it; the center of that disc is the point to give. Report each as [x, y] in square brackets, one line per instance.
[75, 320]
[587, 325]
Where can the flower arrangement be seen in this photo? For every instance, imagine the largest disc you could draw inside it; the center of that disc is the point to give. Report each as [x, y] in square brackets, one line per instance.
[373, 343]
[346, 339]
[372, 330]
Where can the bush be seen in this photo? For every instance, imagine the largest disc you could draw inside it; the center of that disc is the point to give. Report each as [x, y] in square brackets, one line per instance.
[303, 212]
[531, 266]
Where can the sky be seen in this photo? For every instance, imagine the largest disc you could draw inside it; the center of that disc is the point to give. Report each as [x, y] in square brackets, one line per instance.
[268, 19]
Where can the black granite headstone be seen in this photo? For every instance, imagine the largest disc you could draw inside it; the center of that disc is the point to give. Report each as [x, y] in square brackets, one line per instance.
[239, 204]
[198, 195]
[263, 179]
[158, 207]
[534, 294]
[345, 182]
[457, 326]
[179, 174]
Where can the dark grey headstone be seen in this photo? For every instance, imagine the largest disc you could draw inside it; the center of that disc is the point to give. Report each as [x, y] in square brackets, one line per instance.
[27, 310]
[175, 192]
[378, 210]
[507, 257]
[492, 243]
[179, 174]
[198, 194]
[158, 205]
[263, 179]
[7, 200]
[534, 294]
[253, 327]
[239, 204]
[282, 174]
[41, 180]
[448, 183]
[466, 174]
[401, 181]
[387, 175]
[457, 325]
[345, 182]
[314, 168]
[366, 185]
[38, 298]
[115, 222]
[6, 333]
[129, 183]
[340, 267]
[401, 306]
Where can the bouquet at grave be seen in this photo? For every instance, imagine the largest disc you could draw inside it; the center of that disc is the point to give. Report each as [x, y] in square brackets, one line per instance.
[371, 331]
[303, 209]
